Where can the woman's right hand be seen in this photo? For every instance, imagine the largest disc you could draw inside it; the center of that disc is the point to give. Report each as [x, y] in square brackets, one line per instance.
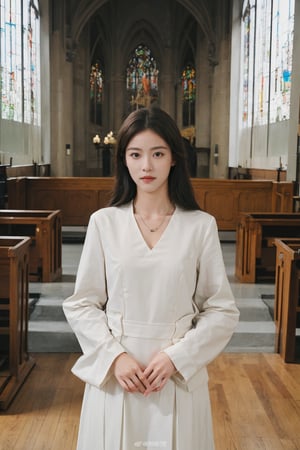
[129, 374]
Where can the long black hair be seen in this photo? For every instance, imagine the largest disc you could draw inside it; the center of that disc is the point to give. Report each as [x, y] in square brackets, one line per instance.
[179, 185]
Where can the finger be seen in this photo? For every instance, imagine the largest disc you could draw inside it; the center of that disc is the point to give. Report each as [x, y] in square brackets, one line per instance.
[161, 385]
[138, 383]
[134, 384]
[157, 383]
[156, 386]
[144, 380]
[147, 372]
[131, 385]
[123, 385]
[155, 375]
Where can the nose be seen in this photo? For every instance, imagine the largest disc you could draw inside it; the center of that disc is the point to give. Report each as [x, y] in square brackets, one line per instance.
[147, 165]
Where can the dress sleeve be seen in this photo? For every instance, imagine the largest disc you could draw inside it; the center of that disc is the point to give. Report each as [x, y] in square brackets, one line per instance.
[85, 313]
[218, 314]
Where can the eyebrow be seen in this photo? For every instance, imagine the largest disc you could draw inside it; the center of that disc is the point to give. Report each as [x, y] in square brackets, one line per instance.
[157, 147]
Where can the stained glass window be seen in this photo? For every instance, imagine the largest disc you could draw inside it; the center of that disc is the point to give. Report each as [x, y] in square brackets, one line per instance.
[31, 43]
[11, 60]
[267, 46]
[281, 62]
[248, 60]
[142, 78]
[96, 93]
[19, 61]
[262, 62]
[188, 79]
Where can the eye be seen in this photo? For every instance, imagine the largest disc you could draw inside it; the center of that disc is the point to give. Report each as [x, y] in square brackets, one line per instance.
[158, 154]
[134, 155]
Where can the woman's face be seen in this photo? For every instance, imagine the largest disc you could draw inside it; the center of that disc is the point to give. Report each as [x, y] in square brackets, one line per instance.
[149, 160]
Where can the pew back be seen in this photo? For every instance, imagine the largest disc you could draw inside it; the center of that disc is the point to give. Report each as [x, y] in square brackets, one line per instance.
[15, 363]
[44, 229]
[287, 299]
[255, 250]
[78, 197]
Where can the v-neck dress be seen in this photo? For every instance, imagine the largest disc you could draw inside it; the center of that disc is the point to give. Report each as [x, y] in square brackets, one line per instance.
[174, 298]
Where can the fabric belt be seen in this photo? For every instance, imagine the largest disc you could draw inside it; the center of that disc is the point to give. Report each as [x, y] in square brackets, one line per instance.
[131, 328]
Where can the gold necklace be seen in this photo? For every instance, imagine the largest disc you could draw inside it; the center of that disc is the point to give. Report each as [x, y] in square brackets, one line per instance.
[151, 229]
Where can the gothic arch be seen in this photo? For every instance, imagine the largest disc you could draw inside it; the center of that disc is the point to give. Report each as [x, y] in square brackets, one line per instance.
[201, 14]
[198, 9]
[186, 43]
[100, 35]
[82, 15]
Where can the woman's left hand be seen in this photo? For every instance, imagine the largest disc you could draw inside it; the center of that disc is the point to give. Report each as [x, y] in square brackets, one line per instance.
[158, 371]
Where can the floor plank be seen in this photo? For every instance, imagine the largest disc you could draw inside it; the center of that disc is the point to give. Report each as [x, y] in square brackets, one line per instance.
[255, 402]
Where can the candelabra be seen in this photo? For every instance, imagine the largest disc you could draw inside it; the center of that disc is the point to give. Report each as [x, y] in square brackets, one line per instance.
[108, 142]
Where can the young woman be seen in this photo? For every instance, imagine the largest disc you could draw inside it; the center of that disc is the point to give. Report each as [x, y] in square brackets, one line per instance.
[152, 305]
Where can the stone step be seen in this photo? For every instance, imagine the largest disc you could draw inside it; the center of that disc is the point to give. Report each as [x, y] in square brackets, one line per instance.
[251, 309]
[254, 309]
[57, 336]
[256, 336]
[49, 331]
[51, 337]
[48, 309]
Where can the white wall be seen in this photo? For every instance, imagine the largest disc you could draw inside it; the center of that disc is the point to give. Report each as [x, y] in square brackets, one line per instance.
[262, 146]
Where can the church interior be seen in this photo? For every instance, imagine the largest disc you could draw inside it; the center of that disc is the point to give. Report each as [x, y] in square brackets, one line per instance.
[227, 71]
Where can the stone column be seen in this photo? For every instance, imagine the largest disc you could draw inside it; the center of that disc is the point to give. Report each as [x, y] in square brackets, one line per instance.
[84, 155]
[221, 98]
[61, 106]
[203, 92]
[117, 102]
[167, 84]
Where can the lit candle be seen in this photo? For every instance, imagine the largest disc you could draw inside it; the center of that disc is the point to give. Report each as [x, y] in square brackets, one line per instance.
[96, 139]
[111, 139]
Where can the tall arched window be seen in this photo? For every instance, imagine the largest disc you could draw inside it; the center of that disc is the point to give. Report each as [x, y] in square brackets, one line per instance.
[267, 31]
[20, 61]
[281, 59]
[188, 79]
[248, 29]
[96, 93]
[141, 78]
[31, 44]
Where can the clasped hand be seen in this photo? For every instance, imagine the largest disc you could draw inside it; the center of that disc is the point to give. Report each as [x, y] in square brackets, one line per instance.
[135, 378]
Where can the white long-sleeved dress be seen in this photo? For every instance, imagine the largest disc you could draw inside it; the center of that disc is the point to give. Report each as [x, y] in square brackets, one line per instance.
[174, 297]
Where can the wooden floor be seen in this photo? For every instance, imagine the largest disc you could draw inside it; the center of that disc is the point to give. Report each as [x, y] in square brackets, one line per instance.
[255, 401]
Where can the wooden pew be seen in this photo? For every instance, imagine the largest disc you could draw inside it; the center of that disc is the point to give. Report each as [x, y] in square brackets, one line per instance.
[44, 229]
[28, 170]
[78, 197]
[287, 299]
[3, 185]
[255, 249]
[15, 363]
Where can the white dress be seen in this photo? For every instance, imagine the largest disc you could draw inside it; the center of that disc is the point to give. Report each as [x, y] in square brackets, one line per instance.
[128, 297]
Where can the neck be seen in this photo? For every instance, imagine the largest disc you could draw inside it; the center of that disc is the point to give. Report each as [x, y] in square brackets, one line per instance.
[151, 204]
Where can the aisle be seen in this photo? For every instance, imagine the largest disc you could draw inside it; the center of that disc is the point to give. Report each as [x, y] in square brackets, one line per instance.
[49, 332]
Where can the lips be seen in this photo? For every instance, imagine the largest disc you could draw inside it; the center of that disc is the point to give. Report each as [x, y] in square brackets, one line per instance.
[147, 179]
